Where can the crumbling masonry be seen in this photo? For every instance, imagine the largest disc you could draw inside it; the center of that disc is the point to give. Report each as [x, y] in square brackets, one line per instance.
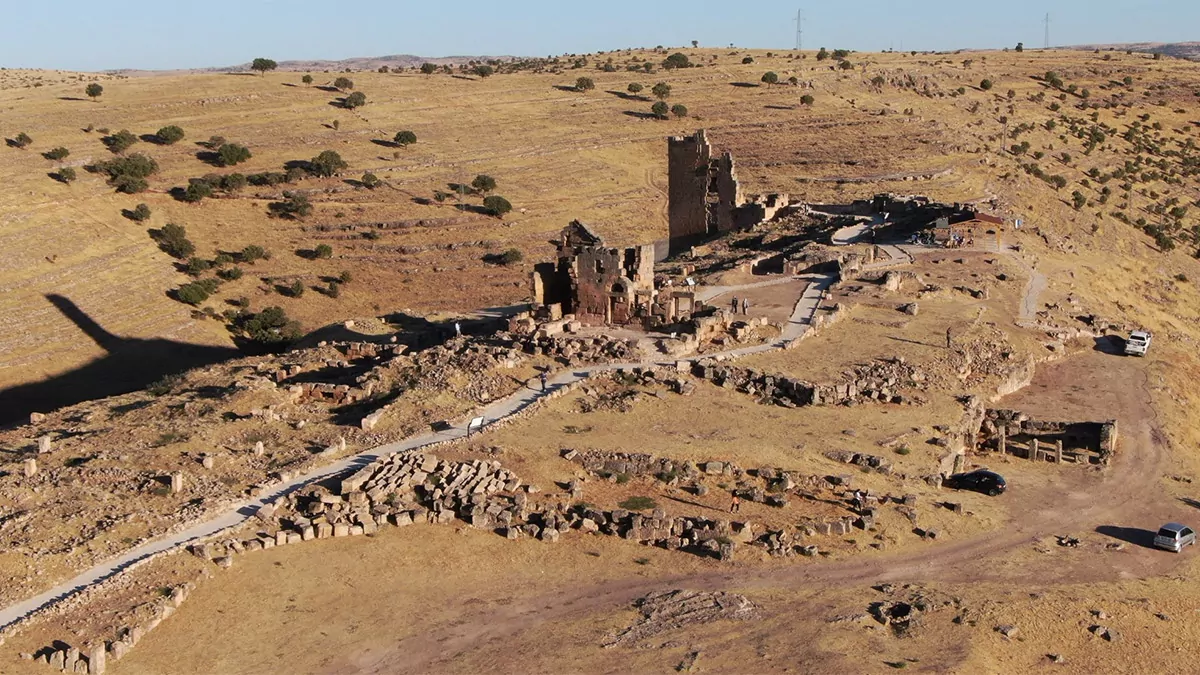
[601, 285]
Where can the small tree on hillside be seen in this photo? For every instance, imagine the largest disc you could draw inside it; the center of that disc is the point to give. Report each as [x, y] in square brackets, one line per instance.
[263, 65]
[343, 83]
[1020, 46]
[985, 85]
[660, 110]
[747, 60]
[66, 174]
[635, 88]
[497, 205]
[169, 135]
[484, 70]
[676, 60]
[807, 99]
[139, 213]
[20, 140]
[370, 181]
[93, 90]
[679, 110]
[584, 84]
[293, 205]
[661, 91]
[822, 55]
[355, 100]
[56, 154]
[232, 154]
[327, 163]
[428, 68]
[770, 78]
[307, 79]
[484, 183]
[404, 138]
[120, 141]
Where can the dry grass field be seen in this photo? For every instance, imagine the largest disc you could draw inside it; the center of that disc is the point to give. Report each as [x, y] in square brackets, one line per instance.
[556, 154]
[448, 598]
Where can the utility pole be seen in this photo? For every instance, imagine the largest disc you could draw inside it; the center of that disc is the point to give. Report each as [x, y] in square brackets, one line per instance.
[1047, 43]
[799, 30]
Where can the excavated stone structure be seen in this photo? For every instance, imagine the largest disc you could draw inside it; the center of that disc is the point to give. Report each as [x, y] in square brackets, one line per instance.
[600, 285]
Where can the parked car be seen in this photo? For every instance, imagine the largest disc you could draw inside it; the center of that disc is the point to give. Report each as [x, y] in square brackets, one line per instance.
[1173, 537]
[980, 480]
[1138, 343]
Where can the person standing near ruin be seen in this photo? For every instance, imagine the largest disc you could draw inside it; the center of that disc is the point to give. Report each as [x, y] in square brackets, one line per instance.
[735, 304]
[457, 329]
[543, 378]
[949, 343]
[745, 306]
[735, 504]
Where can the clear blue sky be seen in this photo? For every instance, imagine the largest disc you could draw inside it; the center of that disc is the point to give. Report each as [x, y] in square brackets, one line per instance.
[94, 35]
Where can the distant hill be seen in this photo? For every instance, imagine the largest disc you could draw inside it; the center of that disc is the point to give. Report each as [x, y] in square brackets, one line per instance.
[357, 63]
[1182, 50]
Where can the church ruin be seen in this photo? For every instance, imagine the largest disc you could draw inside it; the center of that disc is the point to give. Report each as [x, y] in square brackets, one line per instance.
[601, 285]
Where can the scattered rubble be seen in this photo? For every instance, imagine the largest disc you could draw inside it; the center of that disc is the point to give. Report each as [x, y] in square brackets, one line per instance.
[669, 610]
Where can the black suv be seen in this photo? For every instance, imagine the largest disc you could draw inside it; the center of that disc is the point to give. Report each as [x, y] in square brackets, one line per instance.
[988, 482]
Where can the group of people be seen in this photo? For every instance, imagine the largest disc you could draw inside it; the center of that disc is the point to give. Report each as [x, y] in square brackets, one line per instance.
[745, 305]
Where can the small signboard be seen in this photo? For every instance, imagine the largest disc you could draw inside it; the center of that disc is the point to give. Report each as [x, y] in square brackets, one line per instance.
[475, 425]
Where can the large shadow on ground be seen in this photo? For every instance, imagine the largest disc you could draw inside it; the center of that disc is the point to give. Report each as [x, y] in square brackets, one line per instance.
[1130, 535]
[129, 364]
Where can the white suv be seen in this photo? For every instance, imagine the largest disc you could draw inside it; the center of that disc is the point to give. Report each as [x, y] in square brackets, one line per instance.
[1138, 343]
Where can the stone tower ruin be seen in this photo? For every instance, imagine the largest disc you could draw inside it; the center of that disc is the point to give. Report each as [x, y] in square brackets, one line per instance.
[703, 191]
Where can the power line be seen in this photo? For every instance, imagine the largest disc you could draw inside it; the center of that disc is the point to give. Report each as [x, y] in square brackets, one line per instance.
[1047, 43]
[799, 30]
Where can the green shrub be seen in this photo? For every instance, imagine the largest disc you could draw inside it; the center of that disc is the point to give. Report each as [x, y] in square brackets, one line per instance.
[193, 293]
[355, 100]
[638, 503]
[233, 182]
[231, 154]
[66, 174]
[231, 274]
[140, 213]
[253, 253]
[343, 83]
[635, 88]
[679, 110]
[903, 450]
[661, 91]
[169, 135]
[307, 79]
[93, 90]
[324, 251]
[20, 140]
[197, 190]
[269, 327]
[120, 141]
[370, 181]
[56, 153]
[770, 78]
[293, 205]
[345, 277]
[985, 85]
[173, 241]
[128, 174]
[405, 138]
[676, 60]
[496, 205]
[327, 163]
[197, 266]
[660, 110]
[484, 183]
[807, 99]
[296, 289]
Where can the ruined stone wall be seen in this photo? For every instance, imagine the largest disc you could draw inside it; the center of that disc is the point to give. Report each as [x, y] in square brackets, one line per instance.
[688, 159]
[724, 182]
[607, 282]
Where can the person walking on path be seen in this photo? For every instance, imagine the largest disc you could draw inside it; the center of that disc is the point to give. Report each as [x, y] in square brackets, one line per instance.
[457, 329]
[735, 505]
[735, 304]
[949, 344]
[745, 306]
[543, 378]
